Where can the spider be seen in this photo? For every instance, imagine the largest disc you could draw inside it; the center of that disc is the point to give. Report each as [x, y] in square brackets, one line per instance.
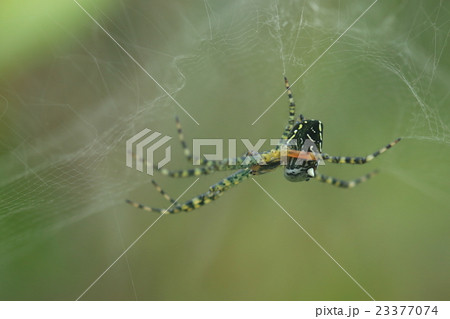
[300, 146]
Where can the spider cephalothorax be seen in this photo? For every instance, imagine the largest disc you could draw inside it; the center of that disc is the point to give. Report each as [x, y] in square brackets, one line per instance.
[299, 149]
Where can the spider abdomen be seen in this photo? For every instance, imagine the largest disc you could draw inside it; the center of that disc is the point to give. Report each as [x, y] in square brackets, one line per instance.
[305, 136]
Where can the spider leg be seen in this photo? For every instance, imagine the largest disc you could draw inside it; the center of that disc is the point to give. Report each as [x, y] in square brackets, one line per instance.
[301, 118]
[291, 120]
[265, 160]
[211, 167]
[341, 183]
[197, 171]
[230, 181]
[151, 209]
[357, 160]
[187, 151]
[214, 192]
[291, 104]
[162, 192]
[148, 208]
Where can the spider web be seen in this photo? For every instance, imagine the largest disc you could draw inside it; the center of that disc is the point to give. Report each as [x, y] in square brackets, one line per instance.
[66, 117]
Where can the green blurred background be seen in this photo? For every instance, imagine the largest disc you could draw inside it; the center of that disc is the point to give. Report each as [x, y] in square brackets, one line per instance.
[70, 98]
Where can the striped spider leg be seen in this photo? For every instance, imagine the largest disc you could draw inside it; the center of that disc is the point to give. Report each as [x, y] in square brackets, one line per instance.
[214, 192]
[352, 160]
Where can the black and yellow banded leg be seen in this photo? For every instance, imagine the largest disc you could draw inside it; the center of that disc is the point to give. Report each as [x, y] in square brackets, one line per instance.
[151, 209]
[198, 171]
[162, 192]
[147, 208]
[357, 160]
[230, 181]
[186, 172]
[341, 183]
[215, 191]
[191, 204]
[291, 119]
[291, 104]
[266, 159]
[186, 150]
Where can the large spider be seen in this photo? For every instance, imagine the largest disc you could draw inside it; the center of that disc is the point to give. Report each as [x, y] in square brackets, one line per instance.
[300, 149]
